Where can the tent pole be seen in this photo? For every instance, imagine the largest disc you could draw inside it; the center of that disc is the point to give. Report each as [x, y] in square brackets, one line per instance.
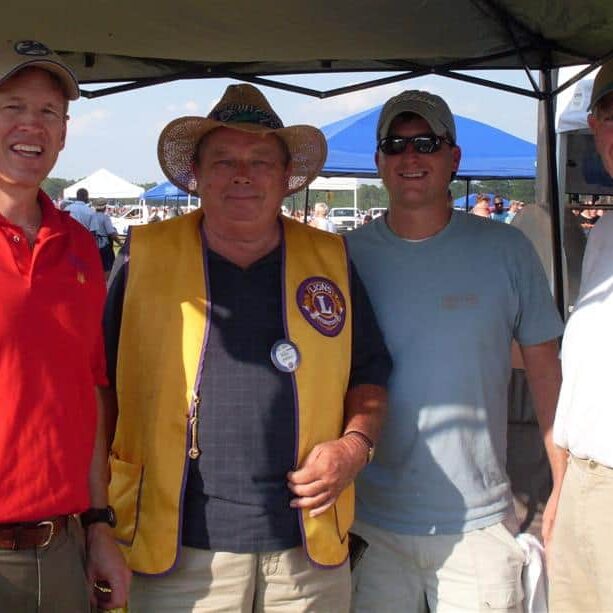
[306, 204]
[553, 191]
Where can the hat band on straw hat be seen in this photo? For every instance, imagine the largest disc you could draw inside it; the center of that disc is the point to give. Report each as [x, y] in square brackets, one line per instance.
[242, 113]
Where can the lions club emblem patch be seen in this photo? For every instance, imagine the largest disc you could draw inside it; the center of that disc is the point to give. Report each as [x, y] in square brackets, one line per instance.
[322, 304]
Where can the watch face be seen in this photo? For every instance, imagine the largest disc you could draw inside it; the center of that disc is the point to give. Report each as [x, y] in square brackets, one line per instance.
[96, 516]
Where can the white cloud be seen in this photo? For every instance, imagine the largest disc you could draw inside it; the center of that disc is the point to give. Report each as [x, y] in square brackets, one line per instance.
[468, 100]
[86, 123]
[191, 106]
[321, 112]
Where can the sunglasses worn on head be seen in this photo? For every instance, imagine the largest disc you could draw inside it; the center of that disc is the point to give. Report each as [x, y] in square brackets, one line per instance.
[425, 143]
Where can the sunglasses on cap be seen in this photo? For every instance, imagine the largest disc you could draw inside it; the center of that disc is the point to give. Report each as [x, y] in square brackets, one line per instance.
[425, 143]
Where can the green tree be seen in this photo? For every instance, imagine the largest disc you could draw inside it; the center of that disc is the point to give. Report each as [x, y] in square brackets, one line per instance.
[54, 187]
[370, 196]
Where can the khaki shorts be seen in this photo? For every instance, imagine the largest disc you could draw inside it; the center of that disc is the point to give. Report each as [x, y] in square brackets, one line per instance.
[476, 571]
[241, 583]
[580, 554]
[46, 580]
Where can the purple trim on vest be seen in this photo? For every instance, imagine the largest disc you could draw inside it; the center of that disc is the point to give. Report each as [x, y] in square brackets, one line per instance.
[199, 373]
[325, 566]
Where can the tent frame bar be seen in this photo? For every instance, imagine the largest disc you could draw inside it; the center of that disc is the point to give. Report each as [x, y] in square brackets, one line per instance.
[511, 26]
[448, 72]
[554, 192]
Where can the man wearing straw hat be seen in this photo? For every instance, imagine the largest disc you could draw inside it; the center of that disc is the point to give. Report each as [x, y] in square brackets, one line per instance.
[247, 399]
[581, 553]
[52, 444]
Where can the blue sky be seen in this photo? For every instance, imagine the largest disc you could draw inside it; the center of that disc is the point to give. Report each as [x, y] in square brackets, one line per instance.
[120, 132]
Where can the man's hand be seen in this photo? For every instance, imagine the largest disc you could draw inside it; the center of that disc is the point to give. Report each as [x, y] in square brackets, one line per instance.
[326, 472]
[106, 568]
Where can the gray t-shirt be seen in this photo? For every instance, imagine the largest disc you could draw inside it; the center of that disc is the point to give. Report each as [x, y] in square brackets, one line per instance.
[448, 307]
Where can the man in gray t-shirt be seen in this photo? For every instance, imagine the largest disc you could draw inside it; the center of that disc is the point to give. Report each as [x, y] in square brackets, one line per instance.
[451, 292]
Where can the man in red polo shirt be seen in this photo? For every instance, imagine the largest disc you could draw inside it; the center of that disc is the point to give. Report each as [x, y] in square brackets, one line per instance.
[52, 435]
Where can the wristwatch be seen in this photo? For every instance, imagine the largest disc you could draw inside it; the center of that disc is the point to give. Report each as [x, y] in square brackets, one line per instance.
[367, 443]
[96, 516]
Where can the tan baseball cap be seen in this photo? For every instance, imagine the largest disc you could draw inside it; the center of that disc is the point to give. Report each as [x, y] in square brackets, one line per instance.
[15, 56]
[424, 104]
[603, 84]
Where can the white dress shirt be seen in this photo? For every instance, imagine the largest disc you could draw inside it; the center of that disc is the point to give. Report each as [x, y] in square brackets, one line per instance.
[584, 419]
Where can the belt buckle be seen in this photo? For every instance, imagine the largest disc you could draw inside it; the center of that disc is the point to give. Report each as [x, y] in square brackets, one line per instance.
[51, 525]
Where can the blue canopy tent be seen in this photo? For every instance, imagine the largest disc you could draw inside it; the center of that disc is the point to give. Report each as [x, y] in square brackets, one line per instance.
[165, 192]
[487, 152]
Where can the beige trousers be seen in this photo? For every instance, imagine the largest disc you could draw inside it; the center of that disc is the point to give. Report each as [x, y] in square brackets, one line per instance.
[477, 571]
[49, 580]
[580, 554]
[241, 583]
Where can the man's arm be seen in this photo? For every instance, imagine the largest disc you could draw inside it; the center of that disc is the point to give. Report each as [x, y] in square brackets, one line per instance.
[544, 375]
[105, 563]
[331, 466]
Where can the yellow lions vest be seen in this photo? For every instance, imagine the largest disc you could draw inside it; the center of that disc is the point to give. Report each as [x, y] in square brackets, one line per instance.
[162, 342]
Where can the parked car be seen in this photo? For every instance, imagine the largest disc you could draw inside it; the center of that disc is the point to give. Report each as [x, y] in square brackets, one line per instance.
[132, 217]
[377, 211]
[345, 219]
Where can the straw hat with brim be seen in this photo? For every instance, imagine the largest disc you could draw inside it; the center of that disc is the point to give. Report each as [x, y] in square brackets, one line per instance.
[244, 108]
[30, 53]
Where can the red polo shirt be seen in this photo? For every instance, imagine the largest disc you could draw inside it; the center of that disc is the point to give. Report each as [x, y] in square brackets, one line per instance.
[51, 357]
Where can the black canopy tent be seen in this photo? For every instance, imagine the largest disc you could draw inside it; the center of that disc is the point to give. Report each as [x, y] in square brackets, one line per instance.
[140, 43]
[145, 42]
[128, 45]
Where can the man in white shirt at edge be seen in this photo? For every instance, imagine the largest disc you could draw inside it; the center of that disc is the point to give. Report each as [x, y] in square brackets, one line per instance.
[581, 552]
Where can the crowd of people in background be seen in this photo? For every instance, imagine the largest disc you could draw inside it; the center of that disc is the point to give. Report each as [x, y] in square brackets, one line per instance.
[483, 208]
[96, 220]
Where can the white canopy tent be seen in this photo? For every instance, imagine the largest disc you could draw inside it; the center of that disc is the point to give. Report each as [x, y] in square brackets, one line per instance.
[332, 184]
[104, 184]
[574, 115]
[336, 184]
